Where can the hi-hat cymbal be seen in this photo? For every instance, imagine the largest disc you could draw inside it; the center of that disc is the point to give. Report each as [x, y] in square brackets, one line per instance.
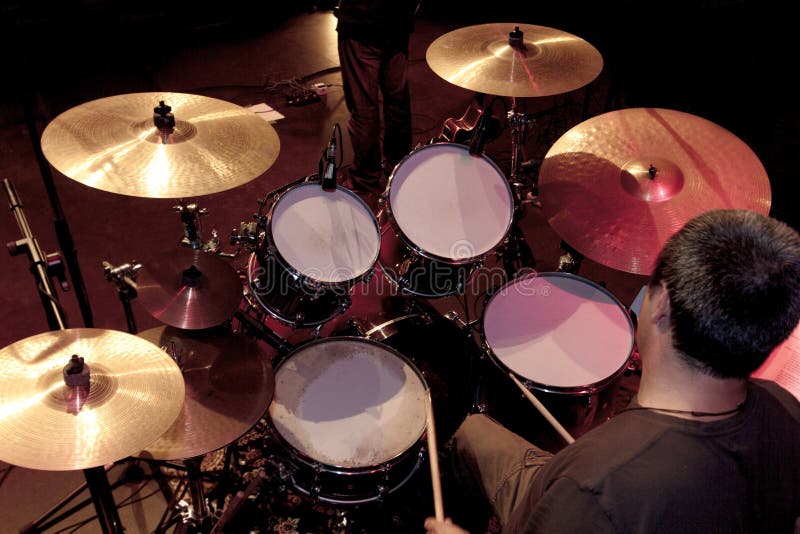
[190, 289]
[113, 144]
[229, 385]
[135, 393]
[487, 59]
[617, 186]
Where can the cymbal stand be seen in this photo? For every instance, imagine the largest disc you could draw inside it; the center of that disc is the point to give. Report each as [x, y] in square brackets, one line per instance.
[515, 251]
[96, 478]
[193, 518]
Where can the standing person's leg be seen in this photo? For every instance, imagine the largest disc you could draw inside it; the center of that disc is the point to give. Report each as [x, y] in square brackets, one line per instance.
[490, 460]
[396, 104]
[360, 65]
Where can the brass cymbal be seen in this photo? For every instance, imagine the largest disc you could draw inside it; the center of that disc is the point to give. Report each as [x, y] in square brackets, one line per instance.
[229, 386]
[135, 393]
[547, 62]
[190, 289]
[113, 144]
[617, 186]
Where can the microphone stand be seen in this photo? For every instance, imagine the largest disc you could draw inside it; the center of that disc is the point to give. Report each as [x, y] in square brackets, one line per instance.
[63, 234]
[96, 477]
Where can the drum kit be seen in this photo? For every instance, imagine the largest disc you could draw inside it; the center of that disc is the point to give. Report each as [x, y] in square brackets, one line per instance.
[351, 412]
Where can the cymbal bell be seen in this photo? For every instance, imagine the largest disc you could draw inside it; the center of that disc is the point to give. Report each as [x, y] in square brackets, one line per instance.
[229, 386]
[113, 144]
[134, 394]
[189, 289]
[617, 186]
[515, 60]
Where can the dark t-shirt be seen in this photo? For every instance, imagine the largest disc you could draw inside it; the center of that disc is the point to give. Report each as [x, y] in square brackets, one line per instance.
[647, 472]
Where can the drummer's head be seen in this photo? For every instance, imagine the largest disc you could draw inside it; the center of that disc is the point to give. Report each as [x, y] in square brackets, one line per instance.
[732, 278]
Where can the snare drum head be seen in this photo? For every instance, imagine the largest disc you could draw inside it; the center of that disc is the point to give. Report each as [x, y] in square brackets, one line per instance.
[328, 236]
[449, 203]
[348, 402]
[558, 330]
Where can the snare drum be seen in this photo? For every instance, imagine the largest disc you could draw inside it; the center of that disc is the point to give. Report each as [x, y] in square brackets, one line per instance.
[350, 414]
[566, 338]
[444, 211]
[318, 245]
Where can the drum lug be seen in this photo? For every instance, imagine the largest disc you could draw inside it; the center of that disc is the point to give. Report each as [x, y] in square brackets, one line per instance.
[344, 303]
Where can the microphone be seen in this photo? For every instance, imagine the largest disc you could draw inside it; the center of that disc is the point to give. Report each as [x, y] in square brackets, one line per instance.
[328, 177]
[478, 140]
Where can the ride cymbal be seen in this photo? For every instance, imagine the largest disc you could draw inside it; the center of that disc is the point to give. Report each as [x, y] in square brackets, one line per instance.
[617, 186]
[113, 144]
[189, 289]
[134, 394]
[229, 386]
[517, 60]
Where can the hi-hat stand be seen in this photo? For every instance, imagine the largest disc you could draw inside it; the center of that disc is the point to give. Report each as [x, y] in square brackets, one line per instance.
[96, 477]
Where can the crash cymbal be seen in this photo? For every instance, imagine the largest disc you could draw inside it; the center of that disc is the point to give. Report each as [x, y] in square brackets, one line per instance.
[229, 385]
[113, 144]
[617, 186]
[135, 393]
[188, 288]
[496, 60]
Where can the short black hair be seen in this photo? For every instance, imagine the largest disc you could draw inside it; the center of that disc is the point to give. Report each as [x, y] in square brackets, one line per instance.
[733, 281]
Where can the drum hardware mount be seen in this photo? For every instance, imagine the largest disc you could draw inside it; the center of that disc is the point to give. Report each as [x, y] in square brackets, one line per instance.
[190, 217]
[570, 261]
[262, 331]
[124, 276]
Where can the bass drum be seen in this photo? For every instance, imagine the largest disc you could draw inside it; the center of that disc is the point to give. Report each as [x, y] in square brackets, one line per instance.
[446, 355]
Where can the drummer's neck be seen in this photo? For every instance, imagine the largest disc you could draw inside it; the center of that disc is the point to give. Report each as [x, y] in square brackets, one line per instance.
[670, 384]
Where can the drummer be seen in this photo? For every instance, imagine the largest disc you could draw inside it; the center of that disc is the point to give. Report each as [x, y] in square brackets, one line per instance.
[702, 447]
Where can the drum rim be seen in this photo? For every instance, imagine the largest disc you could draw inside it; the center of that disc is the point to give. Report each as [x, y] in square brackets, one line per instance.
[344, 469]
[386, 210]
[583, 389]
[269, 241]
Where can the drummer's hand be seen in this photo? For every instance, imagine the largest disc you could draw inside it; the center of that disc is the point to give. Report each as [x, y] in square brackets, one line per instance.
[432, 526]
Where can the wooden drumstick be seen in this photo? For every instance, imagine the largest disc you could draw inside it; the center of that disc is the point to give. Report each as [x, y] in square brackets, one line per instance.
[433, 458]
[544, 411]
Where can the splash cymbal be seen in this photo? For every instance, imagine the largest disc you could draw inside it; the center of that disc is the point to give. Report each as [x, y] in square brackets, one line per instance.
[617, 186]
[113, 144]
[496, 60]
[189, 289]
[229, 385]
[135, 393]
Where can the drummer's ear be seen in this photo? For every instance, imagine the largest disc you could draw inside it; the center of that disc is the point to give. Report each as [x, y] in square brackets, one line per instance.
[660, 305]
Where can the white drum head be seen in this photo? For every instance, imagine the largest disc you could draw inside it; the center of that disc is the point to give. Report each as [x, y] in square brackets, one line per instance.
[330, 237]
[449, 203]
[348, 403]
[558, 330]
